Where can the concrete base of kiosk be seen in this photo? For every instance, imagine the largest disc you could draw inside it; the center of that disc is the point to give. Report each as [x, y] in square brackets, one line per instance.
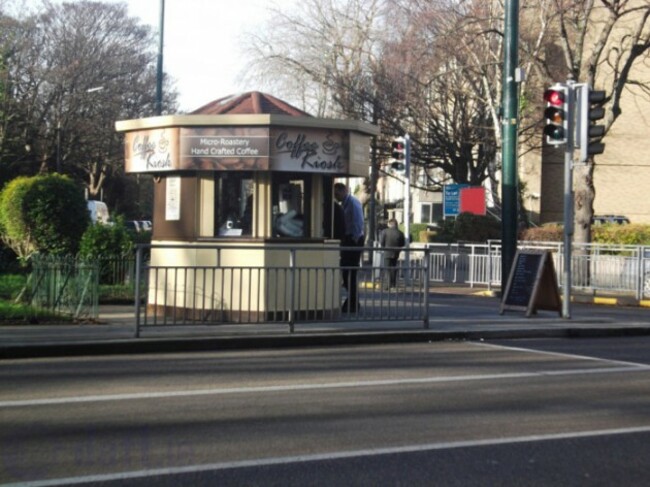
[244, 283]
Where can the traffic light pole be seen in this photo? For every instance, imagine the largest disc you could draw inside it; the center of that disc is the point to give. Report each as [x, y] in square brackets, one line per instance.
[407, 204]
[510, 124]
[568, 201]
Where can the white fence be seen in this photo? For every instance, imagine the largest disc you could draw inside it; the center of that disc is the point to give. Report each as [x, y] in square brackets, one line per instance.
[594, 267]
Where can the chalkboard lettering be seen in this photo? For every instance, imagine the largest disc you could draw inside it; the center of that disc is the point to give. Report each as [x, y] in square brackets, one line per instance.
[523, 279]
[532, 283]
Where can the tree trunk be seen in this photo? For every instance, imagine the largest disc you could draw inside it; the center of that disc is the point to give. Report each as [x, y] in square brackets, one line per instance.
[585, 193]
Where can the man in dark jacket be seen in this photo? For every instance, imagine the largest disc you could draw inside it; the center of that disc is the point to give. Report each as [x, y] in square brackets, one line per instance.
[392, 240]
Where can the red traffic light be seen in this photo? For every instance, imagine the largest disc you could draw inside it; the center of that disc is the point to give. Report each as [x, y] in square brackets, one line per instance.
[558, 126]
[398, 151]
[554, 97]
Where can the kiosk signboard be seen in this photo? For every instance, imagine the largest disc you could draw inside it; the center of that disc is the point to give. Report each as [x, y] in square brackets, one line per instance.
[222, 149]
[309, 150]
[298, 150]
[151, 150]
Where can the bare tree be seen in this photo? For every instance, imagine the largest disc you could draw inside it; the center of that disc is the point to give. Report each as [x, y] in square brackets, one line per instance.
[325, 50]
[422, 67]
[449, 64]
[604, 43]
[434, 68]
[72, 69]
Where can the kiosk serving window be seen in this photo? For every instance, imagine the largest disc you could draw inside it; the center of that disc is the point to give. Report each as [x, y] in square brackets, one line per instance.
[291, 205]
[234, 200]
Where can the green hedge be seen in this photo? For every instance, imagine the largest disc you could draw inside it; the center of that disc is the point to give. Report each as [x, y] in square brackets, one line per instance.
[467, 227]
[633, 234]
[106, 241]
[45, 214]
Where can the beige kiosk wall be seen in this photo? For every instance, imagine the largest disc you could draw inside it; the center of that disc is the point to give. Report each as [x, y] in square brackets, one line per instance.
[185, 227]
[244, 284]
[231, 282]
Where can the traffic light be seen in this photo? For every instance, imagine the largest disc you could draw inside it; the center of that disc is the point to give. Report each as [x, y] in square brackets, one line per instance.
[557, 126]
[398, 154]
[590, 109]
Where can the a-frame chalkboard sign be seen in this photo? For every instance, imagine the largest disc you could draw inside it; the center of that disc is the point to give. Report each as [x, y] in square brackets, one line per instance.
[532, 284]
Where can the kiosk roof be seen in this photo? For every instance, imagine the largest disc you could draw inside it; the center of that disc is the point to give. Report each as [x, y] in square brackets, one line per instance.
[250, 103]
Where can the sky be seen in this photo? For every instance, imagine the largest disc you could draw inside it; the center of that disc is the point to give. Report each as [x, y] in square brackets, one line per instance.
[202, 40]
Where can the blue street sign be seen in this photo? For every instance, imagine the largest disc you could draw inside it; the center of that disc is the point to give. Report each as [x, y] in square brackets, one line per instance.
[451, 200]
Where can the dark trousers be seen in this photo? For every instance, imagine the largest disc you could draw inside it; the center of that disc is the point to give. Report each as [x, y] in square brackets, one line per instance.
[390, 264]
[350, 259]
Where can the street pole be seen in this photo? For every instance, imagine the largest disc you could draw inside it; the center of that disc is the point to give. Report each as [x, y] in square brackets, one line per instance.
[510, 102]
[374, 174]
[407, 204]
[568, 202]
[159, 71]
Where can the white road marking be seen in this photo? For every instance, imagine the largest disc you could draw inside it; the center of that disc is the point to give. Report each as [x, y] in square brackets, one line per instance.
[264, 462]
[558, 354]
[311, 386]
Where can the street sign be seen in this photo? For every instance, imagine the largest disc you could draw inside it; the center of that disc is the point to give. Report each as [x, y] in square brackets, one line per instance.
[472, 200]
[451, 199]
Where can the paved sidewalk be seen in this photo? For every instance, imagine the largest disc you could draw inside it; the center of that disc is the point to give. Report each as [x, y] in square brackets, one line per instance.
[456, 314]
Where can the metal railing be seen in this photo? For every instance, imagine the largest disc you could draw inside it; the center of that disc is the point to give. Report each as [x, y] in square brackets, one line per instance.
[291, 288]
[116, 270]
[300, 285]
[595, 267]
[64, 285]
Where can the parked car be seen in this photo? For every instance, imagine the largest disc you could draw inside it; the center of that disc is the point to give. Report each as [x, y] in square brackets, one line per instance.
[98, 212]
[138, 225]
[604, 219]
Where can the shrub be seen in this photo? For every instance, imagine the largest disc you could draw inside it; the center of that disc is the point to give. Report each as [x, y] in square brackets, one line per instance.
[11, 285]
[445, 231]
[468, 227]
[633, 234]
[13, 226]
[44, 214]
[476, 228]
[546, 233]
[106, 241]
[109, 244]
[57, 214]
[415, 229]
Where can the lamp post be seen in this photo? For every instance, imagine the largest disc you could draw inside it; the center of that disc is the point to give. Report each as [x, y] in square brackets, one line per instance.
[159, 71]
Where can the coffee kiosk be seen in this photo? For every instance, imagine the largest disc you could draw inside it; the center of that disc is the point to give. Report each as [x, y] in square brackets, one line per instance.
[252, 175]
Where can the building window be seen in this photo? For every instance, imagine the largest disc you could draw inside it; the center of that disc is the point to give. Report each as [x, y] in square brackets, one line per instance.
[290, 206]
[426, 213]
[234, 200]
[430, 212]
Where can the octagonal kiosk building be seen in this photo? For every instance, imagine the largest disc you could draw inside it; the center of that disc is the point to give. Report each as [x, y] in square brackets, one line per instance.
[243, 208]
